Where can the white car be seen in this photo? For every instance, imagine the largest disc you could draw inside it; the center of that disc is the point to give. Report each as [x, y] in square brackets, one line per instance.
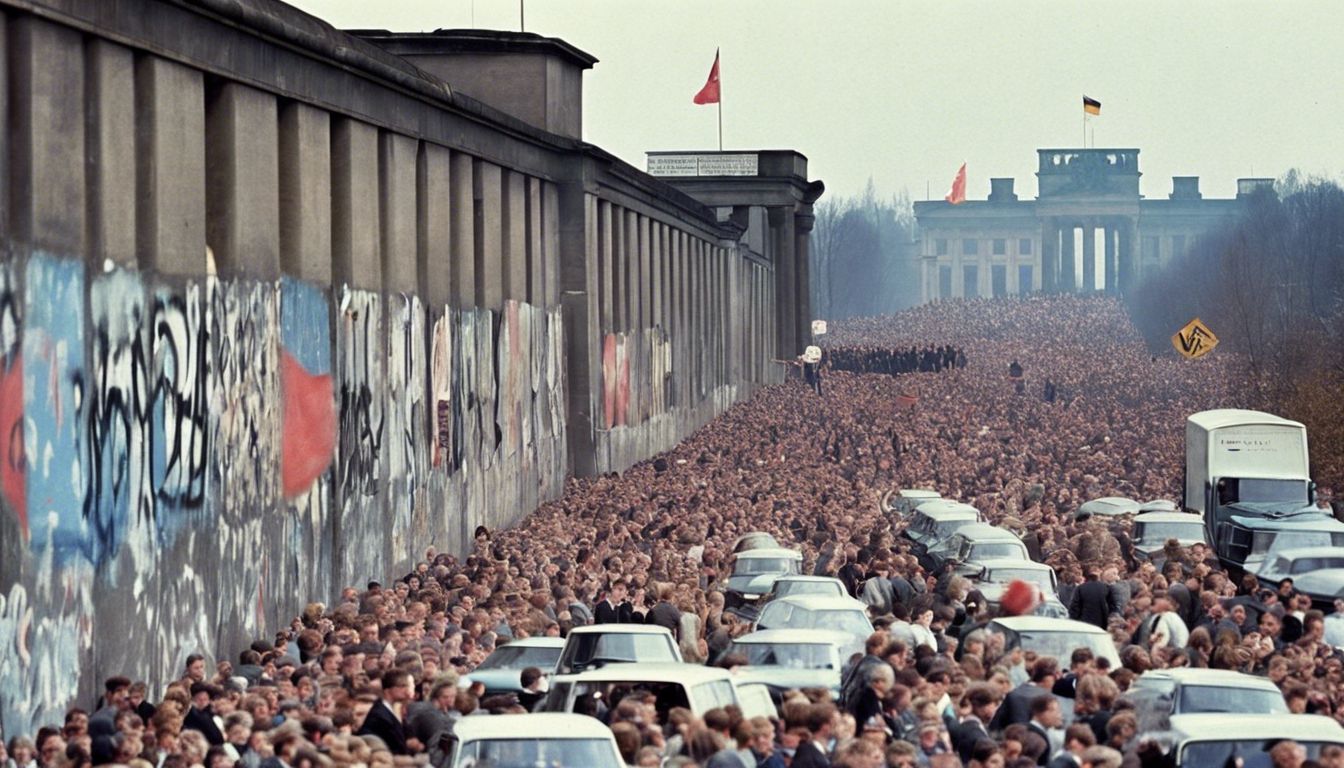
[841, 614]
[755, 571]
[525, 741]
[1203, 740]
[1107, 506]
[1054, 637]
[1315, 571]
[596, 691]
[501, 670]
[1152, 529]
[597, 645]
[1160, 693]
[793, 658]
[996, 574]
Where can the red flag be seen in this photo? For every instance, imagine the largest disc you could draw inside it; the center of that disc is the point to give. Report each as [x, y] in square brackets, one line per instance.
[710, 93]
[958, 192]
[308, 442]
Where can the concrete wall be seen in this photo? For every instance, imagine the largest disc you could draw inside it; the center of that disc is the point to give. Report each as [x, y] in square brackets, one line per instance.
[256, 345]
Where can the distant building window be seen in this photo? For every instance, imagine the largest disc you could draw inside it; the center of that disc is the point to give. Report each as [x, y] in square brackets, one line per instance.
[971, 280]
[1024, 246]
[1024, 278]
[970, 247]
[944, 282]
[1177, 246]
[1000, 246]
[940, 246]
[999, 280]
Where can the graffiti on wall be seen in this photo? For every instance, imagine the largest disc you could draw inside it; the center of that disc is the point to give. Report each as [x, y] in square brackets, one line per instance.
[636, 376]
[120, 489]
[405, 413]
[360, 455]
[53, 405]
[308, 425]
[179, 340]
[12, 462]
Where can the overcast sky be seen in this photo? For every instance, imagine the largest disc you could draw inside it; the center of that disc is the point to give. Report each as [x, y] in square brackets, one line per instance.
[904, 92]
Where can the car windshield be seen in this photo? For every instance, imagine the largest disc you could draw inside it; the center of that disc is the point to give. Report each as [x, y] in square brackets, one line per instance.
[754, 565]
[1160, 532]
[1030, 575]
[1267, 541]
[1061, 645]
[997, 549]
[618, 646]
[1259, 490]
[537, 753]
[1308, 564]
[1201, 754]
[521, 657]
[787, 588]
[850, 621]
[1206, 698]
[793, 655]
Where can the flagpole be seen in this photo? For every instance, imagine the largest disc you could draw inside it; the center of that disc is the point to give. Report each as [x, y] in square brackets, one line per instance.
[720, 123]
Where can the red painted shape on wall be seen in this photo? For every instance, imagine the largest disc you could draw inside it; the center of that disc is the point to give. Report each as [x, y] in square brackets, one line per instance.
[623, 381]
[308, 441]
[13, 467]
[609, 380]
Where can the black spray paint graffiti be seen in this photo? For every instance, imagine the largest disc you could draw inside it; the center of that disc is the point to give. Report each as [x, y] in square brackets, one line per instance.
[361, 442]
[181, 397]
[120, 484]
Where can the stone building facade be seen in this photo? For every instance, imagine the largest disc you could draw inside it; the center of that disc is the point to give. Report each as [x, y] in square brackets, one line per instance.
[1089, 229]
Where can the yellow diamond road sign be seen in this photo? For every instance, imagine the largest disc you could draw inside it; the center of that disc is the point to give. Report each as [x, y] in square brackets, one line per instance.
[1195, 340]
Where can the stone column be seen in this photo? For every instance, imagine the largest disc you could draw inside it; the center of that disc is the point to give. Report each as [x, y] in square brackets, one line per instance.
[1089, 256]
[1068, 279]
[782, 238]
[1112, 271]
[1049, 266]
[1126, 271]
[802, 242]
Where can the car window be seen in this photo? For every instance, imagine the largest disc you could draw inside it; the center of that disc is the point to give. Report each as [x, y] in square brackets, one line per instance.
[774, 615]
[755, 565]
[793, 655]
[1206, 698]
[533, 752]
[754, 700]
[716, 693]
[519, 657]
[997, 549]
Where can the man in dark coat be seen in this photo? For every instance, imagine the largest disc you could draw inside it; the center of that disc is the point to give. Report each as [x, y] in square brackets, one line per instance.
[821, 724]
[201, 717]
[384, 718]
[1016, 707]
[1091, 601]
[983, 700]
[616, 609]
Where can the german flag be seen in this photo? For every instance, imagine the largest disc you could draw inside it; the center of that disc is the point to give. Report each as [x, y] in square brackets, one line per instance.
[1091, 106]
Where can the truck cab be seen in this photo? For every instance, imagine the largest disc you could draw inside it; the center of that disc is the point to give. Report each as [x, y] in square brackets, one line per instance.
[1247, 475]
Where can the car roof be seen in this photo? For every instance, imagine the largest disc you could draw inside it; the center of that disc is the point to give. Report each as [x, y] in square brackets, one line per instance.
[1158, 505]
[920, 493]
[534, 642]
[1224, 678]
[621, 629]
[986, 532]
[545, 725]
[946, 509]
[814, 579]
[796, 636]
[1232, 417]
[1168, 517]
[1012, 562]
[1095, 506]
[1047, 624]
[653, 672]
[821, 602]
[762, 552]
[1223, 726]
[754, 534]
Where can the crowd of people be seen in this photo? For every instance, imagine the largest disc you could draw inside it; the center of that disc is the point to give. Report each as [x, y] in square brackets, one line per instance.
[373, 679]
[894, 361]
